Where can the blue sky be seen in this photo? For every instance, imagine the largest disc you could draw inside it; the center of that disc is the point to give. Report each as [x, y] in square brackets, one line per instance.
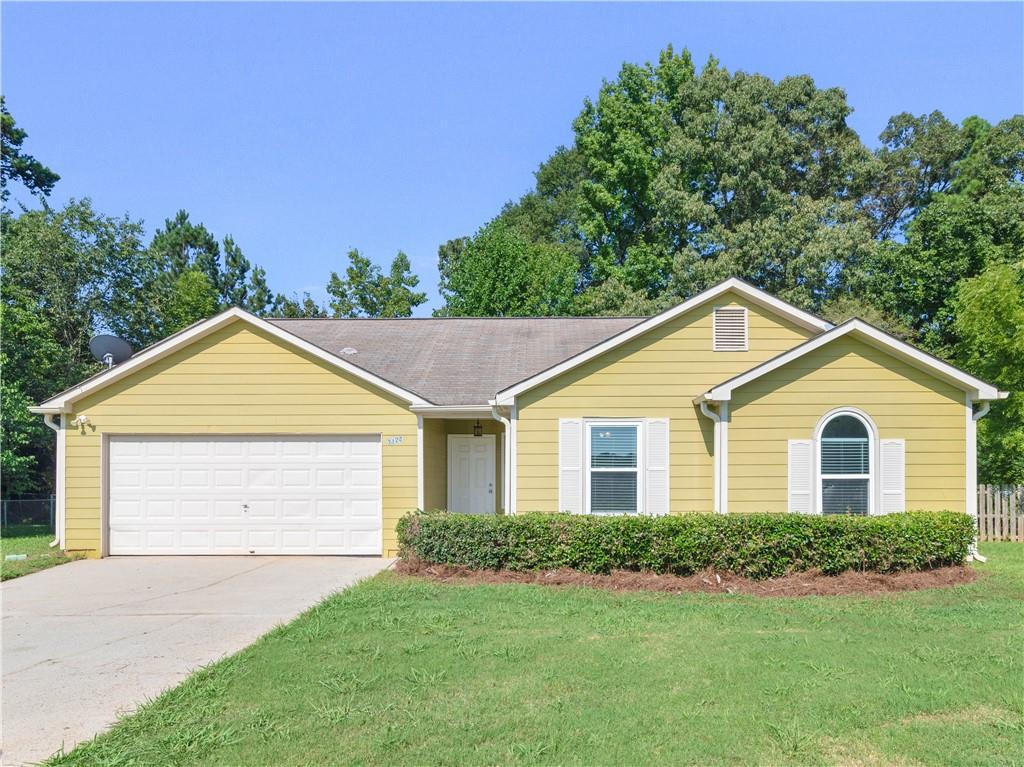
[304, 130]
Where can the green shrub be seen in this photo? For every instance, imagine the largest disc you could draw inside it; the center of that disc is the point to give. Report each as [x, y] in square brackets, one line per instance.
[754, 545]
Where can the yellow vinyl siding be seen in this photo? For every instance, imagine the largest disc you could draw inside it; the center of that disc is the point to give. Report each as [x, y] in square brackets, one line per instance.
[654, 375]
[237, 380]
[904, 403]
[435, 463]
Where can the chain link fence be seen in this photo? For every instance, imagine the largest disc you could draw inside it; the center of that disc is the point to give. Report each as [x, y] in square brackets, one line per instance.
[29, 511]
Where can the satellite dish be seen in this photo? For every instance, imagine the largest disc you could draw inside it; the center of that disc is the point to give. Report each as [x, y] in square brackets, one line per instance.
[110, 350]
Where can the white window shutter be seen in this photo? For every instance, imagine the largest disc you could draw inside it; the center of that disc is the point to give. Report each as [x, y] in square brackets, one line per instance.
[656, 467]
[801, 476]
[892, 473]
[570, 465]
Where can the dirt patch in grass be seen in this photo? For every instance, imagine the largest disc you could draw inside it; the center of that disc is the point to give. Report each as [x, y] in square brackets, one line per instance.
[796, 585]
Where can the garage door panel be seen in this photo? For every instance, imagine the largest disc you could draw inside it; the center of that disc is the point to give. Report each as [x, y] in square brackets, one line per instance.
[235, 495]
[195, 510]
[297, 478]
[160, 449]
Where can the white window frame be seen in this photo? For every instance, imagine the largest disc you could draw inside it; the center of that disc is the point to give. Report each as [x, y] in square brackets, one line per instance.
[591, 423]
[819, 478]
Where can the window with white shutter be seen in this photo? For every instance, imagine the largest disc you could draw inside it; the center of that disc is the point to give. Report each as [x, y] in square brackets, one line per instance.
[730, 329]
[656, 460]
[570, 465]
[801, 475]
[845, 465]
[892, 476]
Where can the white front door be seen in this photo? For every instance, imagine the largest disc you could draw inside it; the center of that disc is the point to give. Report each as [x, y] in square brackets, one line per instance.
[471, 473]
[304, 494]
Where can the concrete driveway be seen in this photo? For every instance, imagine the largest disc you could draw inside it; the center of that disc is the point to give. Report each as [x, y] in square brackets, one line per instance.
[87, 641]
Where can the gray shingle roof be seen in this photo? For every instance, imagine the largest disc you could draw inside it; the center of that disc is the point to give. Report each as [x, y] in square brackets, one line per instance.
[457, 361]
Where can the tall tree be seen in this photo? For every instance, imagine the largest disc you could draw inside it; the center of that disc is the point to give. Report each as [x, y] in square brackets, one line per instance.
[975, 221]
[676, 174]
[989, 318]
[917, 159]
[193, 298]
[184, 245]
[63, 271]
[258, 298]
[295, 307]
[234, 285]
[16, 164]
[500, 273]
[365, 291]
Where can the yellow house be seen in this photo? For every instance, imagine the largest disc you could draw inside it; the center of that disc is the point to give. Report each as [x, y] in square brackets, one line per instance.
[242, 435]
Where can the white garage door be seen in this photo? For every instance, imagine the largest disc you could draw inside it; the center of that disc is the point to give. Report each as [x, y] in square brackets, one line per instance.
[245, 495]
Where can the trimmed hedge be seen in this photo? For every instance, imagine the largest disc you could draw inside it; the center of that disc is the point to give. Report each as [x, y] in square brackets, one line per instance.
[753, 545]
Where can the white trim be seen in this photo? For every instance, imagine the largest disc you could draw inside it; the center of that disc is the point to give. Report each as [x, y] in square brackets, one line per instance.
[875, 337]
[723, 465]
[419, 462]
[716, 468]
[864, 418]
[105, 493]
[453, 411]
[755, 295]
[506, 461]
[641, 458]
[63, 402]
[60, 438]
[513, 462]
[971, 483]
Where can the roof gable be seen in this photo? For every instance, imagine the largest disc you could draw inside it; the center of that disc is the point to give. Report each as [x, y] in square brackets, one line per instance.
[754, 295]
[879, 339]
[63, 401]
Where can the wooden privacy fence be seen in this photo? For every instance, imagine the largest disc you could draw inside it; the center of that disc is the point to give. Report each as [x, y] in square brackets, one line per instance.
[1001, 512]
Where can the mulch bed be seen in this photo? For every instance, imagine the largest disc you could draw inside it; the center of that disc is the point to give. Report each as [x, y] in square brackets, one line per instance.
[795, 585]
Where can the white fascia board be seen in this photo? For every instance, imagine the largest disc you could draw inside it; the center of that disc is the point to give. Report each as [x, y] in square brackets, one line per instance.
[63, 401]
[748, 291]
[978, 389]
[453, 411]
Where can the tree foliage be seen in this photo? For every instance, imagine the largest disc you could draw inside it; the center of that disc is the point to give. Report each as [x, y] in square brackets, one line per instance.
[63, 272]
[681, 176]
[365, 291]
[988, 315]
[16, 164]
[500, 273]
[74, 272]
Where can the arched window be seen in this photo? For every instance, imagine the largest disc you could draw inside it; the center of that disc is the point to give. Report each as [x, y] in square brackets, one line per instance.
[845, 464]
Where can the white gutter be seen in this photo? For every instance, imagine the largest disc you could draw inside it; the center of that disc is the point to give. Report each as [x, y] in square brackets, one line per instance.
[506, 459]
[707, 411]
[59, 481]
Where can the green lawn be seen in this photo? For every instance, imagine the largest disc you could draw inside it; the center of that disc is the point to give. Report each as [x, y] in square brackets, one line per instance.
[33, 540]
[404, 672]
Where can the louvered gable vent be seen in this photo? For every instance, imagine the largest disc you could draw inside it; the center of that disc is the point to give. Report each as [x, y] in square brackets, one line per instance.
[730, 333]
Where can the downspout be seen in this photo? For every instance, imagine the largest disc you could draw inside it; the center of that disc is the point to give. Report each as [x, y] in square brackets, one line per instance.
[58, 521]
[708, 412]
[977, 416]
[506, 459]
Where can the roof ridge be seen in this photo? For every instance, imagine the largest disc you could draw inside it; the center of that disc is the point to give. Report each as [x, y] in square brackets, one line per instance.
[403, 319]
